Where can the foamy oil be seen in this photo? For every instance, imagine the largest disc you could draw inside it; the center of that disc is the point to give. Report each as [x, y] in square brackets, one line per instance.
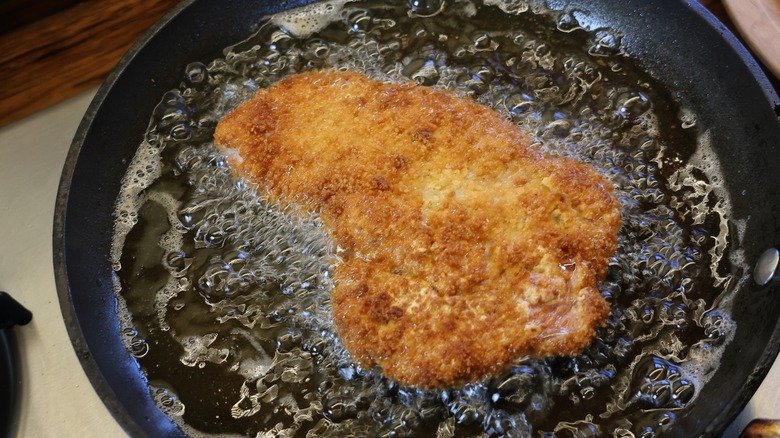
[224, 296]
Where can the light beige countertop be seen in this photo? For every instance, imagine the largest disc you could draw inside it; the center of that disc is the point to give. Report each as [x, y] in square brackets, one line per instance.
[57, 398]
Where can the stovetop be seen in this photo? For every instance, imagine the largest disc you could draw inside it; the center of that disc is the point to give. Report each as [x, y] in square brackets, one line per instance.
[10, 381]
[57, 399]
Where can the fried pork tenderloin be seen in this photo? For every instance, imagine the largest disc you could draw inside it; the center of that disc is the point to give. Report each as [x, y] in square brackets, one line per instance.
[462, 248]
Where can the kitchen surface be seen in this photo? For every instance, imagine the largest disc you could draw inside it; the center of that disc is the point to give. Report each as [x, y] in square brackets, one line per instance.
[57, 399]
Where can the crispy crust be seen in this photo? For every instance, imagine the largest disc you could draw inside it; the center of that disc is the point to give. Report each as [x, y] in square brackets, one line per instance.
[464, 249]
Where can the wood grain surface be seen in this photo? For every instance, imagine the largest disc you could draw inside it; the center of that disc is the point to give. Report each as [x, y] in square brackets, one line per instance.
[18, 13]
[58, 56]
[759, 22]
[53, 49]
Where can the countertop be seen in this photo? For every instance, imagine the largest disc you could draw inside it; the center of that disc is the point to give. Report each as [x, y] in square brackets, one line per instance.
[58, 400]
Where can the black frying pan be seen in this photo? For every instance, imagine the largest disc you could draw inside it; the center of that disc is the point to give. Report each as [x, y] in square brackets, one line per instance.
[679, 43]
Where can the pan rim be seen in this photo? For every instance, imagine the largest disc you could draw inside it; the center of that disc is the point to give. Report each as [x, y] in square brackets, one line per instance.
[104, 390]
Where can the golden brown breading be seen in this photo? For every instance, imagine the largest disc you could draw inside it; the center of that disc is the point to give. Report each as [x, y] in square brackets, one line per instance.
[464, 249]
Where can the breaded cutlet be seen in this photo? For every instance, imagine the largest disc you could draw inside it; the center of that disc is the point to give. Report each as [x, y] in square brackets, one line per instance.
[462, 248]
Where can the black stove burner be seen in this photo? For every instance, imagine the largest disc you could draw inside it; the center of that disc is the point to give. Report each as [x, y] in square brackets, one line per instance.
[9, 383]
[11, 313]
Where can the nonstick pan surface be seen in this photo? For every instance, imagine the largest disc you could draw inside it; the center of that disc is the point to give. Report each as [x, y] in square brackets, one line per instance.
[678, 43]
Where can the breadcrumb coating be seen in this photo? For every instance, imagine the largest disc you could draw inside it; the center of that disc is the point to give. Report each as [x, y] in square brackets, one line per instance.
[463, 249]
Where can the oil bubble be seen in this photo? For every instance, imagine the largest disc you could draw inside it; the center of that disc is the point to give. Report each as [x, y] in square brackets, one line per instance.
[196, 73]
[631, 105]
[426, 8]
[605, 43]
[567, 22]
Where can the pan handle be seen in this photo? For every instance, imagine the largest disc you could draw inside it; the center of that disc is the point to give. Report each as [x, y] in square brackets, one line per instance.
[762, 428]
[12, 313]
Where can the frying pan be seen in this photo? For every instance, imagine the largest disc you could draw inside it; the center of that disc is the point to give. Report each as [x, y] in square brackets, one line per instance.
[678, 43]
